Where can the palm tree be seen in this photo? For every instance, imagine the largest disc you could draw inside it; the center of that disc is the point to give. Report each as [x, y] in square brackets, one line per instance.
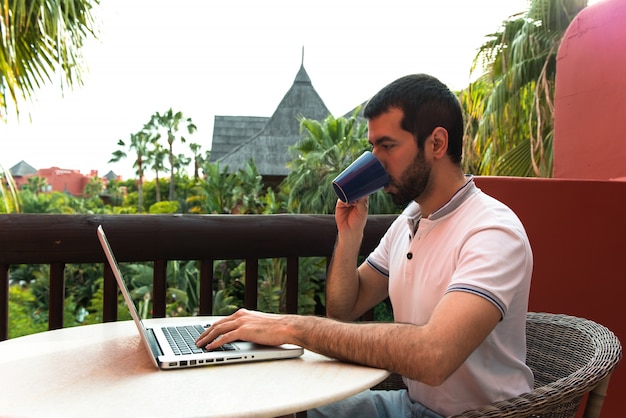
[37, 184]
[224, 192]
[93, 188]
[156, 158]
[326, 149]
[36, 41]
[513, 99]
[181, 161]
[139, 146]
[198, 159]
[171, 121]
[215, 193]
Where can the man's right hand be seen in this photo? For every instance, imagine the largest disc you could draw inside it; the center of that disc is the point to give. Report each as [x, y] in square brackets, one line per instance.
[351, 217]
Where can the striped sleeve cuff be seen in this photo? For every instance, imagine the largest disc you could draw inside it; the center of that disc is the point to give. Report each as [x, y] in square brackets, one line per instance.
[480, 292]
[376, 267]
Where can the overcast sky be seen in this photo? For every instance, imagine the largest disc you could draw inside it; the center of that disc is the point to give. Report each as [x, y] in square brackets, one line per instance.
[208, 58]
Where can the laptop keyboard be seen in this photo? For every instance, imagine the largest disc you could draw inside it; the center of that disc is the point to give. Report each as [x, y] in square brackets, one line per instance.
[183, 340]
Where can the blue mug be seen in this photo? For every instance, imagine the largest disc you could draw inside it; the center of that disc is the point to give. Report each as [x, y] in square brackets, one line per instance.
[363, 177]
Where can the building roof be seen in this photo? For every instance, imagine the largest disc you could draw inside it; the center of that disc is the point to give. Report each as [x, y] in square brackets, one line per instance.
[270, 146]
[231, 131]
[22, 169]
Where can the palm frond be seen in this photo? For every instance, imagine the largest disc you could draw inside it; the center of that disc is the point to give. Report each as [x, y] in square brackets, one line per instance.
[512, 125]
[11, 201]
[38, 40]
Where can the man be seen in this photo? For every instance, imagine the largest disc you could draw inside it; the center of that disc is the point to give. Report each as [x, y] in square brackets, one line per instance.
[456, 265]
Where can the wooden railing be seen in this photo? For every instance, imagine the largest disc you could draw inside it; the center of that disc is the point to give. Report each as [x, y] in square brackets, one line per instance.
[61, 239]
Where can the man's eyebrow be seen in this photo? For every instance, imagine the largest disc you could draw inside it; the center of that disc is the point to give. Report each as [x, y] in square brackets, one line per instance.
[381, 140]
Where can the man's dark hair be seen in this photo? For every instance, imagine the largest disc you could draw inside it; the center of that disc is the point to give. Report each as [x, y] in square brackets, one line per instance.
[426, 104]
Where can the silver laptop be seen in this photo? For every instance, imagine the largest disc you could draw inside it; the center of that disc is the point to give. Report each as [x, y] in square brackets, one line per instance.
[171, 343]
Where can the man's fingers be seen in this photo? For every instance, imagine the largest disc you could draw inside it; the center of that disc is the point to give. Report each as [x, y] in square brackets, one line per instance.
[222, 331]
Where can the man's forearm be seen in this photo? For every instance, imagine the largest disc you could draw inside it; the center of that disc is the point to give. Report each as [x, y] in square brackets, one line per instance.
[367, 343]
[342, 282]
[341, 340]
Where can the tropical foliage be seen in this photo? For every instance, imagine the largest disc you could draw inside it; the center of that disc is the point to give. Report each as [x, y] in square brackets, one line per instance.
[10, 198]
[147, 152]
[138, 146]
[37, 41]
[167, 125]
[509, 108]
[326, 149]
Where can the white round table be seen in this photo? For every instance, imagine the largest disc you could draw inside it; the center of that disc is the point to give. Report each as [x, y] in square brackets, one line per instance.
[104, 370]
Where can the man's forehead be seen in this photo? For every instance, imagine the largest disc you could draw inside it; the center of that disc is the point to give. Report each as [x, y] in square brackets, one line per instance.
[390, 119]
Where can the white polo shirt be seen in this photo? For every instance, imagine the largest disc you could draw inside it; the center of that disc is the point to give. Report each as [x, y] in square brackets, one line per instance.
[475, 244]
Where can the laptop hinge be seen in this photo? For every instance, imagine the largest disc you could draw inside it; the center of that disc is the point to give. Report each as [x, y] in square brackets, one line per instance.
[154, 345]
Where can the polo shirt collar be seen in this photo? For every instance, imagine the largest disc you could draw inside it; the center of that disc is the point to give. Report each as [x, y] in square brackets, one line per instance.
[414, 213]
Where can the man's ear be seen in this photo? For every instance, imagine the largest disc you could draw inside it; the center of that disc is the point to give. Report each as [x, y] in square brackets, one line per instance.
[440, 142]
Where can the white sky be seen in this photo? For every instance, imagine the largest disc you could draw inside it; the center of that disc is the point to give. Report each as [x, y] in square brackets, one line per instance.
[208, 58]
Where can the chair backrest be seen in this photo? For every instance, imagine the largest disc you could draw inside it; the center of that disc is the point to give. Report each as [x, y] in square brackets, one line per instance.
[569, 357]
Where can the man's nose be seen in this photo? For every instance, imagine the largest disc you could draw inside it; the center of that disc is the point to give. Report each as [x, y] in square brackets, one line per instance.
[378, 156]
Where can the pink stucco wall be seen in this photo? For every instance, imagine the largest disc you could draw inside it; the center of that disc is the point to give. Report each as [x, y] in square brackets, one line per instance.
[590, 99]
[577, 230]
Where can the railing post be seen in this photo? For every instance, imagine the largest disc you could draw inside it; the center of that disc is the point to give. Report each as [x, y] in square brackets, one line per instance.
[56, 297]
[252, 278]
[206, 287]
[109, 308]
[292, 285]
[4, 302]
[159, 289]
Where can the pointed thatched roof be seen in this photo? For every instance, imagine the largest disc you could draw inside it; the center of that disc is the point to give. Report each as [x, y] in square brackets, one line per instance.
[270, 146]
[22, 169]
[231, 131]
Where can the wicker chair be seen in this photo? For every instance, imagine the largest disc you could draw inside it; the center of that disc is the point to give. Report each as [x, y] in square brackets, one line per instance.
[570, 357]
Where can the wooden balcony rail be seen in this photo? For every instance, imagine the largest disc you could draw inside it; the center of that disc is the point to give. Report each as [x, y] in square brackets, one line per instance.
[61, 239]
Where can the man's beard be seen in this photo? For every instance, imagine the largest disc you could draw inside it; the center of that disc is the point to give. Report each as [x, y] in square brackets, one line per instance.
[413, 181]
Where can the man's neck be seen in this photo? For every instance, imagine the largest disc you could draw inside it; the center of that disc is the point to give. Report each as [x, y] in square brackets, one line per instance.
[440, 191]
